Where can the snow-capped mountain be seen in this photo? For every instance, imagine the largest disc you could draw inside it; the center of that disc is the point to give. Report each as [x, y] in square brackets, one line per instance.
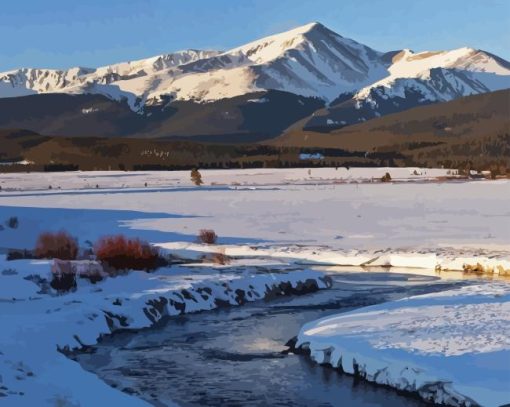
[309, 60]
[312, 61]
[355, 81]
[103, 80]
[464, 71]
[415, 79]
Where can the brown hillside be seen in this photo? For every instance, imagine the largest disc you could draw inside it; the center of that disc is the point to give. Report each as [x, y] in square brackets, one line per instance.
[458, 121]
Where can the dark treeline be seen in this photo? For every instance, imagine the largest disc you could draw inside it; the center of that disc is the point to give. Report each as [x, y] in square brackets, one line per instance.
[490, 153]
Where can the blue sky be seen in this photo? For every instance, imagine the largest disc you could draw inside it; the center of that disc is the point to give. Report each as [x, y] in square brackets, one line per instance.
[65, 33]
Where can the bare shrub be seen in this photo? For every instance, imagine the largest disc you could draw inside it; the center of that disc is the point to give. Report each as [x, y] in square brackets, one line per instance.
[219, 258]
[64, 278]
[63, 282]
[386, 177]
[207, 236]
[60, 245]
[62, 270]
[18, 254]
[9, 272]
[196, 177]
[477, 268]
[122, 253]
[12, 222]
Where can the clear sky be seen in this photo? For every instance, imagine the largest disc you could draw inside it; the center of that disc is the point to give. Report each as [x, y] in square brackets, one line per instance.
[65, 33]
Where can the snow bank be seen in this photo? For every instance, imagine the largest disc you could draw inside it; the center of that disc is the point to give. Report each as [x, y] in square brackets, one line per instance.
[444, 259]
[35, 322]
[451, 347]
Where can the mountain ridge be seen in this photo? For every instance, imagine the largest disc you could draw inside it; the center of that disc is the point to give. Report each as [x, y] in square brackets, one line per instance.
[352, 81]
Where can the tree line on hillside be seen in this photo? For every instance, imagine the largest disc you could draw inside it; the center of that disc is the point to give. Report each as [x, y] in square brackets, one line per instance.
[484, 154]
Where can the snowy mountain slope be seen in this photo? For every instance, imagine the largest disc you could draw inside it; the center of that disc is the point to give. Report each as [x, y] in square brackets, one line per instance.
[357, 82]
[309, 60]
[416, 79]
[444, 75]
[103, 80]
[313, 61]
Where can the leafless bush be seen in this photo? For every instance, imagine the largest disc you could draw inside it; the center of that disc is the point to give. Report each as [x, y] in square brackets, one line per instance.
[66, 272]
[219, 258]
[9, 272]
[18, 254]
[386, 177]
[196, 177]
[12, 222]
[60, 245]
[207, 236]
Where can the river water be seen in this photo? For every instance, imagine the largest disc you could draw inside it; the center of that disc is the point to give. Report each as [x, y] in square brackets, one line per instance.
[233, 356]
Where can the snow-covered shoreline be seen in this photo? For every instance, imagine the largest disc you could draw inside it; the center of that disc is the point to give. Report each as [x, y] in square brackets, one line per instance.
[36, 324]
[447, 259]
[451, 347]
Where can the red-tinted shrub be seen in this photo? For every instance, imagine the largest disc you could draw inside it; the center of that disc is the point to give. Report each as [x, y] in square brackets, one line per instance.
[207, 236]
[123, 253]
[59, 245]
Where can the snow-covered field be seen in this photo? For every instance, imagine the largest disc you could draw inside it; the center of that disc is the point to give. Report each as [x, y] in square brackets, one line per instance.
[274, 224]
[246, 177]
[289, 213]
[451, 347]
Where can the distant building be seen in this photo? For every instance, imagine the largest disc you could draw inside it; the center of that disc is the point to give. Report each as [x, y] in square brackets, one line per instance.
[311, 156]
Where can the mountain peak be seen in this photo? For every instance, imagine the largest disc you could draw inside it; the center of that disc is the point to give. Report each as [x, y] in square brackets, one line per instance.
[282, 39]
[309, 28]
[310, 36]
[314, 25]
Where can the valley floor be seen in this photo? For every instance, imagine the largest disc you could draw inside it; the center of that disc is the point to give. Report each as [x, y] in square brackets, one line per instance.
[274, 225]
